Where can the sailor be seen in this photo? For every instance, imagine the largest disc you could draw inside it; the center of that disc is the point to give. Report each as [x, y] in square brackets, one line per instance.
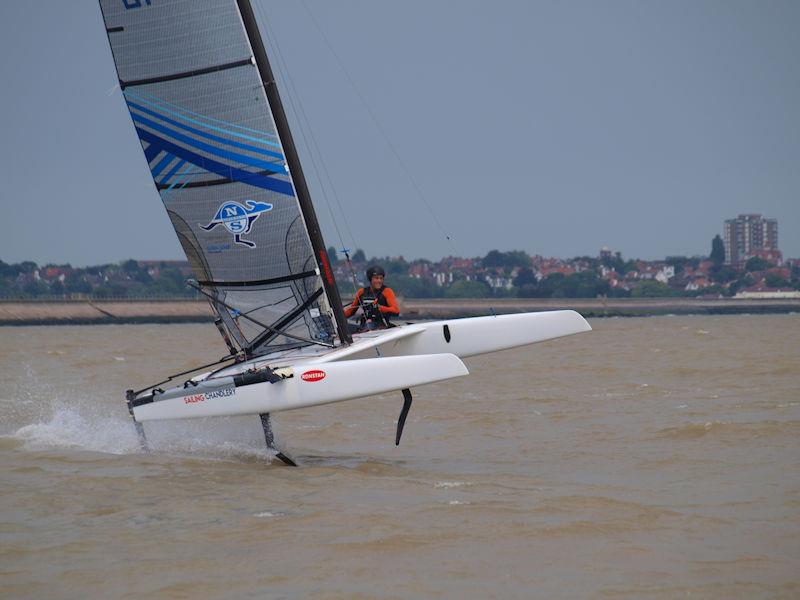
[376, 301]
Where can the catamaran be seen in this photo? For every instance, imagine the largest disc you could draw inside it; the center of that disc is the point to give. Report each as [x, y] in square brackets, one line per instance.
[205, 105]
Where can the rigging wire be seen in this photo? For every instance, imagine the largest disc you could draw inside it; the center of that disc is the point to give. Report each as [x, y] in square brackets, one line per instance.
[270, 328]
[314, 152]
[313, 147]
[318, 163]
[306, 131]
[192, 370]
[381, 129]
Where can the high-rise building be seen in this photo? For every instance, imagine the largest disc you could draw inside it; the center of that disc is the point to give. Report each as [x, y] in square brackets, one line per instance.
[750, 235]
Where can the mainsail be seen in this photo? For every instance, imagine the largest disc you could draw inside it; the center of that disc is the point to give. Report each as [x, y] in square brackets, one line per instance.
[204, 104]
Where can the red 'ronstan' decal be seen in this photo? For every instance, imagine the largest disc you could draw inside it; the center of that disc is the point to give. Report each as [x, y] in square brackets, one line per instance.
[314, 375]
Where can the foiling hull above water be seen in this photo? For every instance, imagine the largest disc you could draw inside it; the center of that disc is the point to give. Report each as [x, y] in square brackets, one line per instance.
[376, 362]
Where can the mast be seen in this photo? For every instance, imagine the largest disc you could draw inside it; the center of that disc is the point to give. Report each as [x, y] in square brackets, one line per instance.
[295, 170]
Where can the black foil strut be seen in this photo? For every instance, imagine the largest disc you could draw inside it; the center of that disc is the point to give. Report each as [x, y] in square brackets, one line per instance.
[401, 421]
[269, 438]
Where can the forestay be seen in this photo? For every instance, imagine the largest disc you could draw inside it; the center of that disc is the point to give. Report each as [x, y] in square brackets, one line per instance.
[189, 75]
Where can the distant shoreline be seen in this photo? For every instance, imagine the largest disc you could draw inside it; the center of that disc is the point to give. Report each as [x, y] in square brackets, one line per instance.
[84, 312]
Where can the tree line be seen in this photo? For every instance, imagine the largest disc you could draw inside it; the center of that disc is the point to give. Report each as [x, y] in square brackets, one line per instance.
[498, 274]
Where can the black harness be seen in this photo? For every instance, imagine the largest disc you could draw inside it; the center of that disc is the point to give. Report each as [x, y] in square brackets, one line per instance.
[371, 313]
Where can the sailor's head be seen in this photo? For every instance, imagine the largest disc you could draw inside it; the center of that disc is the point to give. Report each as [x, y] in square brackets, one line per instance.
[375, 276]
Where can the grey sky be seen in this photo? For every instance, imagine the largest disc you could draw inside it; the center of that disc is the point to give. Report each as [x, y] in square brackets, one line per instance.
[553, 128]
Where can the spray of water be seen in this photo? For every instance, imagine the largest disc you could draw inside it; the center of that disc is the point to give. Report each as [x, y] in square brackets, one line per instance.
[90, 424]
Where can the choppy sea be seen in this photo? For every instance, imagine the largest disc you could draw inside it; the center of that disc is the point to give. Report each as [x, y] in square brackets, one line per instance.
[651, 458]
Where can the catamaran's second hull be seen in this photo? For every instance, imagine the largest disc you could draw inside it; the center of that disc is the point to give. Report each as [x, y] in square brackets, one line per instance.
[469, 336]
[376, 362]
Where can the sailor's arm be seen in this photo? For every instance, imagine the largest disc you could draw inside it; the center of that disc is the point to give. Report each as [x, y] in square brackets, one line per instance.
[393, 307]
[350, 310]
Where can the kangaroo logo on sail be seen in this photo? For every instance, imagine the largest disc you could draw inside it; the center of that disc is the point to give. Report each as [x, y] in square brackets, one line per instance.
[238, 219]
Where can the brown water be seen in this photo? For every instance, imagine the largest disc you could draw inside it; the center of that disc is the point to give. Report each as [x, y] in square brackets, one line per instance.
[651, 458]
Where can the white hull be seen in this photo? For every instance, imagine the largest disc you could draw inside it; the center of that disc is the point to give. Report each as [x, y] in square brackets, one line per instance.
[376, 362]
[307, 386]
[471, 336]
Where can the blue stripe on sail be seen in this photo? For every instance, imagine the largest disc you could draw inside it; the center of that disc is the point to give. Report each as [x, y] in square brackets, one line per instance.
[235, 156]
[151, 152]
[160, 104]
[162, 164]
[204, 124]
[166, 193]
[221, 169]
[191, 175]
[209, 136]
[172, 171]
[182, 179]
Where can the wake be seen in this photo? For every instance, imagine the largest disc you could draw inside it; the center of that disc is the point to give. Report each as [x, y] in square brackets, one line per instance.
[79, 427]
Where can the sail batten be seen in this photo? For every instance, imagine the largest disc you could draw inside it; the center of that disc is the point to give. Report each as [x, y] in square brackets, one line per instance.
[225, 168]
[263, 282]
[194, 73]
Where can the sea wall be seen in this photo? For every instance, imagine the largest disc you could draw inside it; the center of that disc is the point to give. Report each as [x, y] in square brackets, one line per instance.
[83, 312]
[596, 307]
